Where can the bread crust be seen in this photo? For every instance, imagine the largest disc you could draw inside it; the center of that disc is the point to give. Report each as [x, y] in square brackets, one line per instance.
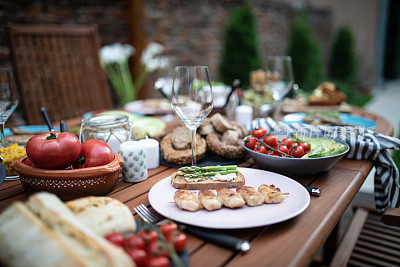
[215, 144]
[181, 157]
[179, 182]
[103, 215]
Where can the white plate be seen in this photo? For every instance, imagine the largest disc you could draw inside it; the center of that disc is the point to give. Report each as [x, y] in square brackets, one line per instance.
[162, 194]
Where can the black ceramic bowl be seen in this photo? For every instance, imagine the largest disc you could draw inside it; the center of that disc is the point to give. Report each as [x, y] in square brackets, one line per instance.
[295, 166]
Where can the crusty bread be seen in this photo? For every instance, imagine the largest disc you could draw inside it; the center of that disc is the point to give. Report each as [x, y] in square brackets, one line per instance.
[26, 241]
[178, 181]
[181, 138]
[103, 215]
[82, 240]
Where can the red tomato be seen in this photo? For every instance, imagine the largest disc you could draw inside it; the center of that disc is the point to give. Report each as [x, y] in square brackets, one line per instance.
[271, 140]
[284, 149]
[250, 142]
[179, 241]
[95, 153]
[288, 142]
[305, 146]
[157, 249]
[139, 256]
[134, 241]
[160, 261]
[259, 133]
[167, 229]
[53, 150]
[298, 152]
[115, 238]
[148, 236]
[261, 149]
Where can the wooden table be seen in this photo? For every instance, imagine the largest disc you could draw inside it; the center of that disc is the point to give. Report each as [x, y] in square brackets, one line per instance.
[291, 243]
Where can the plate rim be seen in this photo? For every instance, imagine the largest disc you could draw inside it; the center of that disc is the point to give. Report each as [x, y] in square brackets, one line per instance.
[239, 226]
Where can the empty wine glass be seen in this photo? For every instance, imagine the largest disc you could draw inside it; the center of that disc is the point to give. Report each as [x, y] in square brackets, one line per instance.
[8, 98]
[192, 98]
[279, 78]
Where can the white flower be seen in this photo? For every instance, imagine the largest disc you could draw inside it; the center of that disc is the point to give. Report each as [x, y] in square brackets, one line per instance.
[116, 52]
[151, 59]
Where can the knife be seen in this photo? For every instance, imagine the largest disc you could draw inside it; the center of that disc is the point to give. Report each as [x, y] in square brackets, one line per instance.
[223, 240]
[47, 119]
[314, 191]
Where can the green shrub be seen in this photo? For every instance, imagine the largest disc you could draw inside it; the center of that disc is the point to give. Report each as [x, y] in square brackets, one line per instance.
[343, 59]
[240, 53]
[305, 51]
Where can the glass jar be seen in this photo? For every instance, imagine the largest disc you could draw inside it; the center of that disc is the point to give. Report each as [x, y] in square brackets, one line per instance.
[111, 129]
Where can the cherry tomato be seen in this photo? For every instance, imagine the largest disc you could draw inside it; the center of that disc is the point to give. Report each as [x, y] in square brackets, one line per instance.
[115, 238]
[250, 142]
[284, 149]
[29, 162]
[159, 261]
[259, 133]
[95, 153]
[298, 152]
[53, 150]
[261, 149]
[179, 241]
[288, 142]
[305, 146]
[139, 256]
[134, 241]
[167, 229]
[271, 140]
[157, 249]
[148, 236]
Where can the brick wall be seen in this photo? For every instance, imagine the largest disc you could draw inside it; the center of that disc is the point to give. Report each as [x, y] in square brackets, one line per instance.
[191, 30]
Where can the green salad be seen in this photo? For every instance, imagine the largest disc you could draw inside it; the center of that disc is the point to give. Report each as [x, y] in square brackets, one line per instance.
[320, 147]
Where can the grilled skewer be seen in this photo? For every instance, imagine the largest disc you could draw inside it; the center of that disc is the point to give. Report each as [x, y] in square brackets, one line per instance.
[187, 200]
[209, 200]
[251, 196]
[230, 198]
[271, 194]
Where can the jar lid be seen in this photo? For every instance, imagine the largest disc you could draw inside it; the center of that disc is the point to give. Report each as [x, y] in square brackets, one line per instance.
[107, 121]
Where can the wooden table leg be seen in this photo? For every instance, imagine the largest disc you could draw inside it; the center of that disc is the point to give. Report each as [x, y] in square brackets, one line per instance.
[330, 245]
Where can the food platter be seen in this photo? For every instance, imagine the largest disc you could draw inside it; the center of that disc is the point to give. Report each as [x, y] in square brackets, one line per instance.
[345, 118]
[161, 199]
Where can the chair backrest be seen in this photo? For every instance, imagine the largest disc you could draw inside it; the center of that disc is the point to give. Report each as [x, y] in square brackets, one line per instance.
[57, 66]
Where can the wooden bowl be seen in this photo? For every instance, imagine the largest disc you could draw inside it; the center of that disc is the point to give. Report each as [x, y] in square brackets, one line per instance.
[70, 184]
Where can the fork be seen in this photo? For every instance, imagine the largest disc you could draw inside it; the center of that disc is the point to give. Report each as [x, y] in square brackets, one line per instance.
[223, 240]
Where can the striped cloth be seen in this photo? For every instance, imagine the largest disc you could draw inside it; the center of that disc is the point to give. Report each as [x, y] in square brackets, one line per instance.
[364, 144]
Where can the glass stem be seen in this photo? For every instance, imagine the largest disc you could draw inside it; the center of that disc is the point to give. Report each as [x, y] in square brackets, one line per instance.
[3, 138]
[277, 113]
[193, 142]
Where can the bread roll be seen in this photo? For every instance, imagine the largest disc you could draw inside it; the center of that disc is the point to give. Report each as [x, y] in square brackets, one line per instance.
[26, 241]
[82, 240]
[103, 215]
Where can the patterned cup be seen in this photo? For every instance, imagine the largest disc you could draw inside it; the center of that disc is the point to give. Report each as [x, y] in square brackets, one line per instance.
[135, 167]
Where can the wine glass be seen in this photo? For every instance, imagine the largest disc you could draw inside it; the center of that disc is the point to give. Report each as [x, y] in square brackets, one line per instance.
[279, 78]
[192, 98]
[8, 98]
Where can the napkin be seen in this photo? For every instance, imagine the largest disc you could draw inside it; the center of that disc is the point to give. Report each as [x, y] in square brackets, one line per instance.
[364, 144]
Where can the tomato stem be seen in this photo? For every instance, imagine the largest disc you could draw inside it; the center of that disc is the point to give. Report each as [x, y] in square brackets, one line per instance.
[81, 159]
[262, 142]
[51, 136]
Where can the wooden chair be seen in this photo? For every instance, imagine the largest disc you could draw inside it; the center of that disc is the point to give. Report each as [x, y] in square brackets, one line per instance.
[57, 66]
[370, 240]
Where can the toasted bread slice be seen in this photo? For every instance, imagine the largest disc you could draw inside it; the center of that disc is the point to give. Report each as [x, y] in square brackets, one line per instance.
[178, 181]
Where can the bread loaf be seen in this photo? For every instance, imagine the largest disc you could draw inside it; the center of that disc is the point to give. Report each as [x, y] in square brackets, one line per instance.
[103, 215]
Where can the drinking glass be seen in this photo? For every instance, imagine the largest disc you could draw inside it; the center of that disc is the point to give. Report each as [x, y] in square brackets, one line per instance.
[192, 98]
[279, 78]
[8, 98]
